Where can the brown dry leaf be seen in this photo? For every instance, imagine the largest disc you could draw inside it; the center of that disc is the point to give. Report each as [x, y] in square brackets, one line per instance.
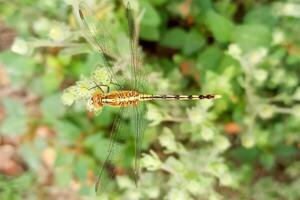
[75, 185]
[61, 194]
[119, 171]
[13, 141]
[234, 98]
[11, 168]
[44, 131]
[185, 68]
[292, 49]
[185, 8]
[90, 115]
[7, 36]
[9, 164]
[190, 20]
[49, 156]
[90, 177]
[2, 113]
[4, 79]
[232, 128]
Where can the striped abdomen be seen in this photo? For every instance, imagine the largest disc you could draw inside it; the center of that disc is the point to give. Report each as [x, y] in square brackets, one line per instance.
[146, 97]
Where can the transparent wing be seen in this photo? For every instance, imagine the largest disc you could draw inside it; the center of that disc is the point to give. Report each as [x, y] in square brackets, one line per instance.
[97, 35]
[112, 152]
[120, 157]
[124, 149]
[139, 83]
[136, 70]
[140, 124]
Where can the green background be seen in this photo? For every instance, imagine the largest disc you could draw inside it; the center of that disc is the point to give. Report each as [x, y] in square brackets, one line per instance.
[242, 146]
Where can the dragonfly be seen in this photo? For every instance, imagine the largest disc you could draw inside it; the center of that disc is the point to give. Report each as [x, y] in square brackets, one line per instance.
[128, 96]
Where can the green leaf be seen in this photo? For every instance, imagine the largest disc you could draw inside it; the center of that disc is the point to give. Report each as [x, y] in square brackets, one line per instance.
[91, 140]
[69, 95]
[293, 170]
[15, 122]
[12, 188]
[261, 15]
[204, 4]
[267, 160]
[154, 115]
[31, 155]
[226, 8]
[105, 118]
[149, 32]
[63, 177]
[98, 144]
[19, 68]
[174, 38]
[52, 106]
[25, 181]
[286, 152]
[21, 47]
[251, 36]
[245, 155]
[68, 132]
[194, 41]
[101, 76]
[168, 141]
[199, 10]
[81, 166]
[151, 161]
[64, 158]
[51, 82]
[157, 2]
[151, 16]
[220, 26]
[13, 126]
[209, 59]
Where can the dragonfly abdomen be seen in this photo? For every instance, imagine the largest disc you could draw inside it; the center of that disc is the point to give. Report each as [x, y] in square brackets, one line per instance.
[145, 97]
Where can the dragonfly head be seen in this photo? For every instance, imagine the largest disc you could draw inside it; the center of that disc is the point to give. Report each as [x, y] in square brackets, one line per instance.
[97, 101]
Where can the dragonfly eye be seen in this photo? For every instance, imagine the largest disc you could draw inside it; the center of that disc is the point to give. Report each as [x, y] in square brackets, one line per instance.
[94, 100]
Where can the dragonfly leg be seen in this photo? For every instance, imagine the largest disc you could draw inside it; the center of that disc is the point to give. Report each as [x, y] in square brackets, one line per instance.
[115, 84]
[99, 86]
[107, 88]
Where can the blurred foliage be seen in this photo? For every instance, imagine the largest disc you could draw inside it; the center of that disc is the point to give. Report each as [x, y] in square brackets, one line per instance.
[243, 146]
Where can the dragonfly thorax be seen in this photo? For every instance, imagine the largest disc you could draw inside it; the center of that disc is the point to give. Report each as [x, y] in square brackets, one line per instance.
[121, 98]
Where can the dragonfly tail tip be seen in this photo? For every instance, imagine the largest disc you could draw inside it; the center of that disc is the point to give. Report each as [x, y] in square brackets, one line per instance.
[218, 96]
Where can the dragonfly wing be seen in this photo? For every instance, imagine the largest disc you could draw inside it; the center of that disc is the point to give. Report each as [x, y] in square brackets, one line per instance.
[139, 83]
[136, 71]
[140, 124]
[137, 145]
[116, 129]
[97, 35]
